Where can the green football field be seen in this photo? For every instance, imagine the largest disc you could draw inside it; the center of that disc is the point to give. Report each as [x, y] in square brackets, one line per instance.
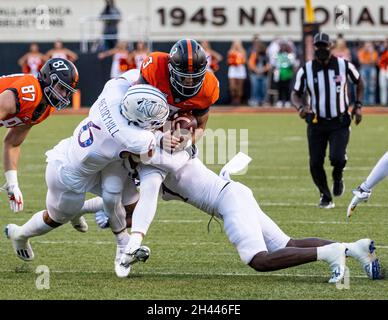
[187, 261]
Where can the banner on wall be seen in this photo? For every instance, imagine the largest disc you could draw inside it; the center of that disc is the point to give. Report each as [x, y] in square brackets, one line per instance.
[168, 20]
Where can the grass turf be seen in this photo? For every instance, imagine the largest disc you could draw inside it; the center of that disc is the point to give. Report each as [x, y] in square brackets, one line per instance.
[186, 261]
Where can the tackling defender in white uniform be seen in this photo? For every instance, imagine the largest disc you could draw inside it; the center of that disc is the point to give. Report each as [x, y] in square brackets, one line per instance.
[91, 161]
[364, 190]
[259, 241]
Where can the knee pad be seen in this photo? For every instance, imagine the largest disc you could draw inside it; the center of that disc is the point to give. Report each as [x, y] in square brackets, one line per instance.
[115, 210]
[110, 199]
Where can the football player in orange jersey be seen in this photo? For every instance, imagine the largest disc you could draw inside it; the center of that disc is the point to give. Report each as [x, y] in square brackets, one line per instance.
[26, 101]
[183, 77]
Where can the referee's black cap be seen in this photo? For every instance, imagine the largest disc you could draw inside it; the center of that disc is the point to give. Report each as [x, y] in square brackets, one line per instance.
[322, 38]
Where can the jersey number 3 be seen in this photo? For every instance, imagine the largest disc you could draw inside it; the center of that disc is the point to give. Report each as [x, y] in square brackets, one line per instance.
[147, 62]
[28, 93]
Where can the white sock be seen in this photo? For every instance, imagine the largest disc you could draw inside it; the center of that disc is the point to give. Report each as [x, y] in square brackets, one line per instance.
[379, 172]
[122, 238]
[35, 226]
[92, 205]
[325, 253]
[135, 241]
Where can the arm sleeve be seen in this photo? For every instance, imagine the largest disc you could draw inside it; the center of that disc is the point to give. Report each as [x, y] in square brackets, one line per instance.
[352, 73]
[145, 210]
[300, 82]
[200, 112]
[168, 162]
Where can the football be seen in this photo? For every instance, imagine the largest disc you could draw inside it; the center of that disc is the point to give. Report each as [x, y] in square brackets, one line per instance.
[186, 121]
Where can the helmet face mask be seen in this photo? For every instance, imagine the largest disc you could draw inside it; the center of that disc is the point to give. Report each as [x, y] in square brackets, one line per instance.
[59, 79]
[58, 93]
[187, 84]
[187, 66]
[145, 107]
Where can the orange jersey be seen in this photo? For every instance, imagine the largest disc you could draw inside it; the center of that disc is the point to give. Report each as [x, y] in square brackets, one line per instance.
[28, 97]
[154, 70]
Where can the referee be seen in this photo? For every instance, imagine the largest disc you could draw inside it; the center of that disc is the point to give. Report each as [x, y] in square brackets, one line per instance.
[325, 81]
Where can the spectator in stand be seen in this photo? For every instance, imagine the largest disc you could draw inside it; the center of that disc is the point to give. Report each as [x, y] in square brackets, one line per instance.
[140, 54]
[284, 73]
[32, 61]
[367, 56]
[383, 74]
[340, 50]
[272, 54]
[213, 57]
[111, 17]
[236, 72]
[59, 51]
[258, 66]
[121, 61]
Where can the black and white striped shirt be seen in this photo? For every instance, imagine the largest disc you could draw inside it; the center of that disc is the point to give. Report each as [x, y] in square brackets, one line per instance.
[327, 85]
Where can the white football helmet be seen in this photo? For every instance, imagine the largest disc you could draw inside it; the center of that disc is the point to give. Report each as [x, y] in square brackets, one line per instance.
[145, 106]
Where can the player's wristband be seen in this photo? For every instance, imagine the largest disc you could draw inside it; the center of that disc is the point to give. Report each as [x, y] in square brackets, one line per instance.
[11, 176]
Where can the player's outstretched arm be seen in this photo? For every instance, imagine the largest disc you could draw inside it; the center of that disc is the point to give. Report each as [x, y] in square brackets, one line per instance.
[7, 104]
[11, 154]
[202, 121]
[145, 209]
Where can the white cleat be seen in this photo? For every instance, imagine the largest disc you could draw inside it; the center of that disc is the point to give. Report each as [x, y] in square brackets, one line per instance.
[121, 271]
[127, 259]
[21, 246]
[80, 224]
[359, 195]
[364, 251]
[337, 262]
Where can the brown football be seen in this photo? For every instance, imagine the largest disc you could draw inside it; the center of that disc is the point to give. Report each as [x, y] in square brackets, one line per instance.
[186, 121]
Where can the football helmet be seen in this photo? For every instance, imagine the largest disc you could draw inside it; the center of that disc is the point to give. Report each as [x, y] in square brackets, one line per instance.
[145, 106]
[187, 66]
[59, 79]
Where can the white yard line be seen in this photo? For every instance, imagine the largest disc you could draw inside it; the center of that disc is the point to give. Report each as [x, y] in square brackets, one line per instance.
[195, 243]
[228, 274]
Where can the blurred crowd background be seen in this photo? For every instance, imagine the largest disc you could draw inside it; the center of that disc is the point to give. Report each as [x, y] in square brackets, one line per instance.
[254, 73]
[259, 73]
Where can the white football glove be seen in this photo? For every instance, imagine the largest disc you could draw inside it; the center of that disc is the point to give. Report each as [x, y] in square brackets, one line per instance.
[12, 188]
[15, 197]
[101, 219]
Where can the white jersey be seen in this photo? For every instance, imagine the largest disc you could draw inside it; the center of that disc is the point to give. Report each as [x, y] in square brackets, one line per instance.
[100, 139]
[249, 229]
[193, 183]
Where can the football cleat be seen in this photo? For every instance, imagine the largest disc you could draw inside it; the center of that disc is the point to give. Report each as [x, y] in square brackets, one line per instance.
[21, 246]
[359, 195]
[337, 262]
[127, 259]
[121, 271]
[80, 224]
[364, 251]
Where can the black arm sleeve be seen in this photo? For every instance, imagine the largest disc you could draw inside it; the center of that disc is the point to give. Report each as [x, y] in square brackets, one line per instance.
[200, 112]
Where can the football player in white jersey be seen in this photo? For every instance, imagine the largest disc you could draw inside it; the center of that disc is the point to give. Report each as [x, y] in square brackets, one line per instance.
[91, 161]
[259, 241]
[363, 192]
